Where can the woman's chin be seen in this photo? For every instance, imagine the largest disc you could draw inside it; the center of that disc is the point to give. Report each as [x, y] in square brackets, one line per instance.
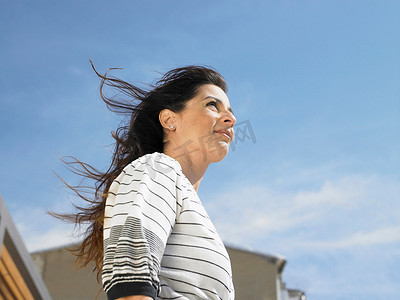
[220, 153]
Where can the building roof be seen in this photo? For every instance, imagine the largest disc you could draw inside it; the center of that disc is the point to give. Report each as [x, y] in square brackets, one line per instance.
[277, 259]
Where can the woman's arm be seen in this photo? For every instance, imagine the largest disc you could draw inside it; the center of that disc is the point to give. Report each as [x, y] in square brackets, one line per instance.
[142, 206]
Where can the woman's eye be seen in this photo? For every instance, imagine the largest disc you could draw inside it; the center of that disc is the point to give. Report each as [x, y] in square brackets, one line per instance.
[212, 103]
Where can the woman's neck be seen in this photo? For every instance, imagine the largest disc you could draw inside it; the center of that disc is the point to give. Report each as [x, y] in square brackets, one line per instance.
[193, 166]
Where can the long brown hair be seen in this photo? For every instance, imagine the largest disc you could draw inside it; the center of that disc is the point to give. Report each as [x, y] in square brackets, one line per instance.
[141, 134]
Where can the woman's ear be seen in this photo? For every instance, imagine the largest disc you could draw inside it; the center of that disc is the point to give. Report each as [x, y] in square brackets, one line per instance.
[167, 119]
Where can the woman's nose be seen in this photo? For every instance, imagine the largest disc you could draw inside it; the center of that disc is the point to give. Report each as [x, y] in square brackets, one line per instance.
[229, 118]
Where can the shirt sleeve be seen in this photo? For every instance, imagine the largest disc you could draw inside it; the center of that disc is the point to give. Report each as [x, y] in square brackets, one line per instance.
[140, 212]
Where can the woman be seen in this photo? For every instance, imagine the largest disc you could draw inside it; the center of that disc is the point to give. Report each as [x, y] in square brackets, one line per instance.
[159, 242]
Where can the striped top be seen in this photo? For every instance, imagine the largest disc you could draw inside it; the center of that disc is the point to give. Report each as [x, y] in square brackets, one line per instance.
[158, 238]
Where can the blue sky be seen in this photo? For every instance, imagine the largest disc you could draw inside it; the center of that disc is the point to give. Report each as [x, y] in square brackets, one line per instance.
[317, 81]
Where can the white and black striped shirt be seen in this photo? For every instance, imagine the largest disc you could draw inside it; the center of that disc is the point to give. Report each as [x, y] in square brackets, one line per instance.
[158, 238]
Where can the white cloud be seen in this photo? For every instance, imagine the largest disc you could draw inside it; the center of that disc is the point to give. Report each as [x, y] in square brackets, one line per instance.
[40, 231]
[341, 213]
[333, 235]
[361, 239]
[343, 192]
[53, 238]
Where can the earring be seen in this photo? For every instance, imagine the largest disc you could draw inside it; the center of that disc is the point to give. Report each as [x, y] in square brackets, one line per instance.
[172, 127]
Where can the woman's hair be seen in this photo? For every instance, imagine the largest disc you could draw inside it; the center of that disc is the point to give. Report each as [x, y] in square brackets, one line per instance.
[141, 134]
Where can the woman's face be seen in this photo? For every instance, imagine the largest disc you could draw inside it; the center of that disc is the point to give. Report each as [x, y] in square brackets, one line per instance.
[205, 126]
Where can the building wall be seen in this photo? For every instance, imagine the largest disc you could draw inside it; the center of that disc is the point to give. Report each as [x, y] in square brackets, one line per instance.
[254, 276]
[64, 280]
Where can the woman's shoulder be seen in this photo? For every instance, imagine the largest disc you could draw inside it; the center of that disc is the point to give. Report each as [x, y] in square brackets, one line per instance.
[154, 164]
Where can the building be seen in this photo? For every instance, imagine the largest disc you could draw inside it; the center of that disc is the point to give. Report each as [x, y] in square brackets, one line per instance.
[19, 277]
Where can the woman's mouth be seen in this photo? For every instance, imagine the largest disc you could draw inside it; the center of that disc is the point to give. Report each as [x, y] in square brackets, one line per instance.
[225, 133]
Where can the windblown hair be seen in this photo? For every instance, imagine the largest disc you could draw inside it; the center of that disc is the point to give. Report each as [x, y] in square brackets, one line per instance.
[141, 134]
